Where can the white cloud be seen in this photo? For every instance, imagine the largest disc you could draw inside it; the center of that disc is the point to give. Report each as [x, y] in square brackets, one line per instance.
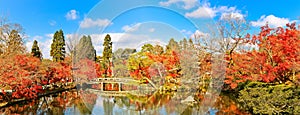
[188, 4]
[44, 46]
[131, 28]
[151, 30]
[99, 38]
[50, 36]
[226, 9]
[202, 12]
[72, 15]
[28, 45]
[186, 32]
[233, 15]
[229, 13]
[206, 11]
[37, 37]
[272, 20]
[88, 22]
[198, 34]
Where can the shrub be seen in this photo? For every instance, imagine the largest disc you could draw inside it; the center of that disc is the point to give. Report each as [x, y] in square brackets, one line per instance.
[264, 98]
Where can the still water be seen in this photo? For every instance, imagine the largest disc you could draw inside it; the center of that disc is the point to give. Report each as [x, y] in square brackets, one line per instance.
[84, 102]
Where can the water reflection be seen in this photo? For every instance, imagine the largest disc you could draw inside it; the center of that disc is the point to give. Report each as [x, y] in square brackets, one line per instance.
[79, 102]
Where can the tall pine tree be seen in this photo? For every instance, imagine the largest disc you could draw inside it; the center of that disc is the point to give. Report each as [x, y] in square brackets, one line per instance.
[85, 49]
[107, 53]
[35, 50]
[58, 50]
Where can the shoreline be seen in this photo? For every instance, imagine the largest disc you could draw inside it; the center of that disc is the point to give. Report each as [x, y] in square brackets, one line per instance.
[15, 101]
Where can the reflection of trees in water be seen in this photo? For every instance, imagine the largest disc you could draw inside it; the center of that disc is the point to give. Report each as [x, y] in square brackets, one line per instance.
[87, 102]
[150, 104]
[81, 106]
[158, 103]
[225, 105]
[132, 104]
[108, 105]
[69, 102]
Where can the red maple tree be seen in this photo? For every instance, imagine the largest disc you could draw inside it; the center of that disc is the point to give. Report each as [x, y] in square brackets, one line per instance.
[277, 58]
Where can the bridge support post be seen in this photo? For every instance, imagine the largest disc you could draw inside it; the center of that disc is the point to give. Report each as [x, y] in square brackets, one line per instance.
[119, 84]
[102, 86]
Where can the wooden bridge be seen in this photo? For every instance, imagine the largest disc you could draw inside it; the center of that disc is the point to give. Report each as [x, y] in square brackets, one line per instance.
[117, 93]
[142, 89]
[113, 80]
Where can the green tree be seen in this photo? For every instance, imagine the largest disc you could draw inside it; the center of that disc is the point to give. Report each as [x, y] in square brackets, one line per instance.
[85, 49]
[127, 52]
[264, 98]
[147, 48]
[15, 43]
[123, 53]
[98, 59]
[120, 59]
[138, 64]
[11, 41]
[35, 50]
[107, 53]
[172, 45]
[158, 49]
[58, 50]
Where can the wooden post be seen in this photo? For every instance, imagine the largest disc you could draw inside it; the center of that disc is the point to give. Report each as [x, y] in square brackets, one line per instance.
[120, 86]
[102, 86]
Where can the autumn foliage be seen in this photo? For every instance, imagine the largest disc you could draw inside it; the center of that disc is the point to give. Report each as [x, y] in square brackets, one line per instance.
[277, 59]
[140, 65]
[170, 61]
[25, 75]
[87, 70]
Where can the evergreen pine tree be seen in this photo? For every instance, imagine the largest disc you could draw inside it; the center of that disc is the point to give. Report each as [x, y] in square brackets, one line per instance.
[85, 49]
[58, 50]
[107, 52]
[35, 50]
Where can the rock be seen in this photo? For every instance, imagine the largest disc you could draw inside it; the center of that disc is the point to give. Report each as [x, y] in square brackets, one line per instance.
[188, 99]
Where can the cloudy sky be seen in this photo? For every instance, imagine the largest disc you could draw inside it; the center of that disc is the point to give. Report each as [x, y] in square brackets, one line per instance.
[133, 23]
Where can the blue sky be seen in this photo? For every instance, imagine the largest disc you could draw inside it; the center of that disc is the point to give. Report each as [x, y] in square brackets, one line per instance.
[132, 23]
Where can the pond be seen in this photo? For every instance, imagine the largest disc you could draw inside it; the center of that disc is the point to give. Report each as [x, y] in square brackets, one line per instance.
[86, 102]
